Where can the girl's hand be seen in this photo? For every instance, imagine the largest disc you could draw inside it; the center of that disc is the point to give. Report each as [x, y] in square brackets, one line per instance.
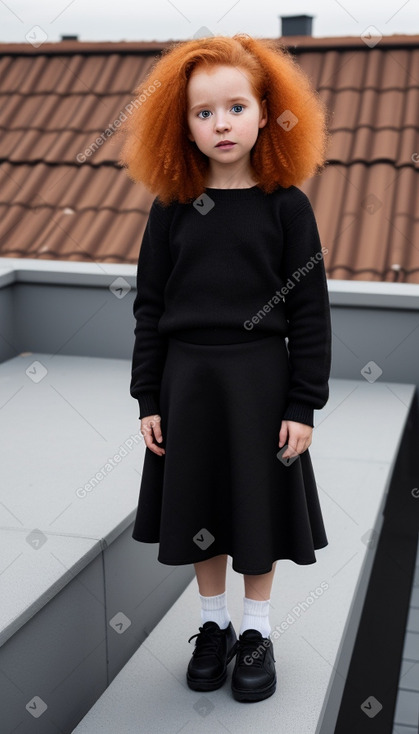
[151, 431]
[296, 435]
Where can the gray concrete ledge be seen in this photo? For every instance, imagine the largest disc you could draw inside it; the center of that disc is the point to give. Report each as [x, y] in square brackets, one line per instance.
[341, 292]
[71, 470]
[71, 575]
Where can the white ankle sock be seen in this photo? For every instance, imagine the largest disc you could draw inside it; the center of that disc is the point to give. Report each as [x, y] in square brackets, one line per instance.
[214, 609]
[256, 616]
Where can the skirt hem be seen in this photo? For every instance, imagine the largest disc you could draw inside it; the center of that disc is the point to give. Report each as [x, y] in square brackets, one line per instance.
[299, 561]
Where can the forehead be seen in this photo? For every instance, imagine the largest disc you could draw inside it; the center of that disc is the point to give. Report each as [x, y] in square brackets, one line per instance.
[216, 80]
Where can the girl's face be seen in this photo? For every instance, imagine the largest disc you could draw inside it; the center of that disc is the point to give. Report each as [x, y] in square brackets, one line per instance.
[222, 106]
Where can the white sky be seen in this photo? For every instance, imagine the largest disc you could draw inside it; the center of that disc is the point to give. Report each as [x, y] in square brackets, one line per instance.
[162, 20]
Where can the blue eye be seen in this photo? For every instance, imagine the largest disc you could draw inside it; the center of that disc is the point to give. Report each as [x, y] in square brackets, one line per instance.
[209, 112]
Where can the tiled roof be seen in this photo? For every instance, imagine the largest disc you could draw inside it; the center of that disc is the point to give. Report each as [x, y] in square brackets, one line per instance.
[56, 100]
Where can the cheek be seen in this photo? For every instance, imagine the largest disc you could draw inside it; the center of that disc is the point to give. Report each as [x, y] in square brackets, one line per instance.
[202, 133]
[249, 126]
[193, 127]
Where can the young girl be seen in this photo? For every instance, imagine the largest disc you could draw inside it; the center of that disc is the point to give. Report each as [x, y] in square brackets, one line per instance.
[230, 266]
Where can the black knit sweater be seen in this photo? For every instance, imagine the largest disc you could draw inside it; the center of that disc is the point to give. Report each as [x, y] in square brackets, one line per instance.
[234, 265]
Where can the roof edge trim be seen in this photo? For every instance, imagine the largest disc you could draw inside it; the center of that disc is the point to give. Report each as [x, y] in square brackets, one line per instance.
[294, 43]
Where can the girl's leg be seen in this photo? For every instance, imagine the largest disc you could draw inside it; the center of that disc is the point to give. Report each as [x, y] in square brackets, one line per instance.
[211, 575]
[257, 592]
[259, 586]
[211, 578]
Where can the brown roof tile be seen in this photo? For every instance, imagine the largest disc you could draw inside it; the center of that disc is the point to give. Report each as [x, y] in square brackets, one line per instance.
[55, 101]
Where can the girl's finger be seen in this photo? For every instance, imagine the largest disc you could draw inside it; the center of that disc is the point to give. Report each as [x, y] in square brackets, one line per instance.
[151, 430]
[291, 451]
[158, 434]
[159, 450]
[283, 435]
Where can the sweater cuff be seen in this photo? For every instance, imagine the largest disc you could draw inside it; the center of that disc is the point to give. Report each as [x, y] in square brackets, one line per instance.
[148, 404]
[299, 412]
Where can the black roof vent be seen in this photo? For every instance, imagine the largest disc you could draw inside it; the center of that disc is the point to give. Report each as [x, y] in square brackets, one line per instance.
[296, 25]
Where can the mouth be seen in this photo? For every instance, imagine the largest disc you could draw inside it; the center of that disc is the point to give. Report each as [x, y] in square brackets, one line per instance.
[225, 144]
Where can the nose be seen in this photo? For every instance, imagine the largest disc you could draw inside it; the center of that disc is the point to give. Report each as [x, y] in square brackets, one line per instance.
[221, 122]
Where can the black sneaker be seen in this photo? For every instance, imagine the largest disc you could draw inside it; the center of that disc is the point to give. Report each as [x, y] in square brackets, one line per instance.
[254, 674]
[207, 669]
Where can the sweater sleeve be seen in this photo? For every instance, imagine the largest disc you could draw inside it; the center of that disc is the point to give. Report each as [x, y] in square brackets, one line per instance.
[307, 311]
[150, 347]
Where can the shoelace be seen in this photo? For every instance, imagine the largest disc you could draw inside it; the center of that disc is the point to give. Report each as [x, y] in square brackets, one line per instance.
[207, 642]
[247, 647]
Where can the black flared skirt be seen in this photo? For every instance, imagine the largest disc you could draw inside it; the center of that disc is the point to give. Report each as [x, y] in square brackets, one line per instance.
[221, 486]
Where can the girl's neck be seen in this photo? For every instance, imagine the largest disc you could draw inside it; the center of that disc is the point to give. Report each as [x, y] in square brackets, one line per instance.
[239, 179]
[228, 184]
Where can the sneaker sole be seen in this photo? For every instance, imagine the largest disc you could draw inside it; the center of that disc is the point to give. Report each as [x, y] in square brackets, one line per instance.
[253, 696]
[211, 684]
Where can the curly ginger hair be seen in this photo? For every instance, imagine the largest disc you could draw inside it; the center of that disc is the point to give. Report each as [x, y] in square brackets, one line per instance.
[158, 152]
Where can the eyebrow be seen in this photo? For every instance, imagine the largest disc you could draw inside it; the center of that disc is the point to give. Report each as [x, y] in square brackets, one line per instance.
[232, 99]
